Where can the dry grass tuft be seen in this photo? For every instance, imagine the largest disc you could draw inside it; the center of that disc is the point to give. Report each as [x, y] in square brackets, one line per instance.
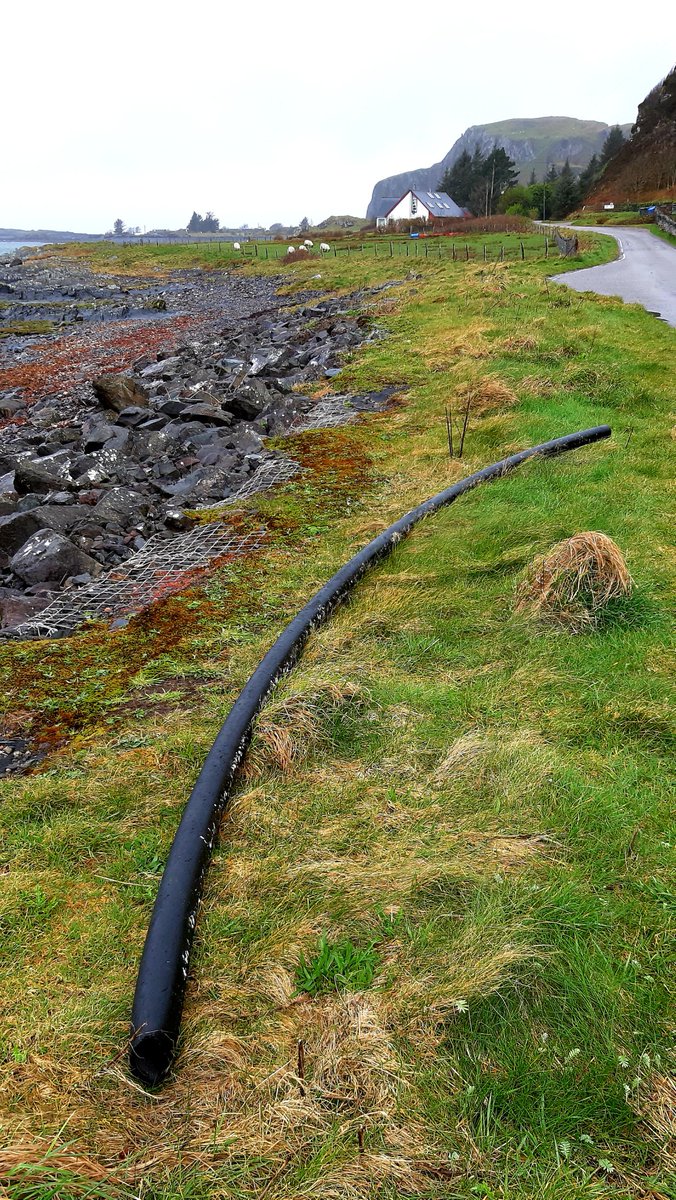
[290, 727]
[484, 396]
[657, 1107]
[519, 345]
[451, 344]
[575, 580]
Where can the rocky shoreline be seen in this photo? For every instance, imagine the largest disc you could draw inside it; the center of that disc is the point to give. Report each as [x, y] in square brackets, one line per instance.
[93, 466]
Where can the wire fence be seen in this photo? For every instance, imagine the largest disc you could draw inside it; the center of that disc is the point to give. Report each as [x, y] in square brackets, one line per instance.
[430, 246]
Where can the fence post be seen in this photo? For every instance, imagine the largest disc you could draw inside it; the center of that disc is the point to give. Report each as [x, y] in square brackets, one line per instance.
[502, 253]
[426, 249]
[523, 254]
[375, 249]
[391, 250]
[546, 246]
[407, 249]
[466, 252]
[484, 251]
[256, 248]
[266, 250]
[416, 250]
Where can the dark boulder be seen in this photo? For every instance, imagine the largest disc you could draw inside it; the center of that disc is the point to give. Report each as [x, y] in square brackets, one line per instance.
[121, 508]
[16, 529]
[39, 476]
[249, 400]
[49, 555]
[207, 413]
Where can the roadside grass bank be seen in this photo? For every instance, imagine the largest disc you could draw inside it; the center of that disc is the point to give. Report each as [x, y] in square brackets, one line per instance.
[662, 233]
[433, 953]
[610, 218]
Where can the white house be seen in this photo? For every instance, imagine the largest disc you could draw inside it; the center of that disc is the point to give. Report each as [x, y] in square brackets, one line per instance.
[422, 206]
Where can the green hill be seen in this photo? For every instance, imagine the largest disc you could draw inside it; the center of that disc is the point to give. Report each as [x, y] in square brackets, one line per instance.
[534, 143]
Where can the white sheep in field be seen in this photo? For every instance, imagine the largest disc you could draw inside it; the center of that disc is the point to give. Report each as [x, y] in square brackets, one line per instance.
[236, 246]
[324, 247]
[291, 249]
[308, 243]
[304, 249]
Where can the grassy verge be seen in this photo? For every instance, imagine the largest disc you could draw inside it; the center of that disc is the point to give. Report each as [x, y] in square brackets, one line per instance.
[611, 218]
[662, 233]
[446, 872]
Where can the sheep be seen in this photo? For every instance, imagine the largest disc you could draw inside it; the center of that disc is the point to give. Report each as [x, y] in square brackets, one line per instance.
[304, 249]
[291, 249]
[324, 247]
[308, 243]
[236, 246]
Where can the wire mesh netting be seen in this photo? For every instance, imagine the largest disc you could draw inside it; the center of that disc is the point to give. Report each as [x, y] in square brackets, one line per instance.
[170, 563]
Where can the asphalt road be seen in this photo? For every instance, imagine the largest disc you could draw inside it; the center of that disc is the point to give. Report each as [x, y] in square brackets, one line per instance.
[645, 272]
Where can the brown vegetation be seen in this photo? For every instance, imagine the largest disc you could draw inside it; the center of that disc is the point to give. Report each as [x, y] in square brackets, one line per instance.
[574, 582]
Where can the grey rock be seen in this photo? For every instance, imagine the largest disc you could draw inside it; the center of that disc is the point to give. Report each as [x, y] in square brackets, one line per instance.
[38, 476]
[48, 555]
[132, 416]
[207, 413]
[249, 399]
[98, 436]
[16, 529]
[121, 507]
[166, 369]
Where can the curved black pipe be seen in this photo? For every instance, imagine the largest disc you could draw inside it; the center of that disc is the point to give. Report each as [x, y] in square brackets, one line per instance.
[160, 987]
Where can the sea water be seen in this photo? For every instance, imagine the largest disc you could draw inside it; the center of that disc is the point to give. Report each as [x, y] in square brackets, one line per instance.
[13, 247]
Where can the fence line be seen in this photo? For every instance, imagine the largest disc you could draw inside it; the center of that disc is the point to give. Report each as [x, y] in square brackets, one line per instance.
[409, 248]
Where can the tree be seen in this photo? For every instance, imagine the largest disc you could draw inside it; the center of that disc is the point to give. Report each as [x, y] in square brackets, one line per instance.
[589, 176]
[614, 142]
[532, 179]
[118, 227]
[542, 195]
[552, 174]
[566, 193]
[304, 225]
[477, 181]
[517, 202]
[195, 223]
[210, 224]
[457, 181]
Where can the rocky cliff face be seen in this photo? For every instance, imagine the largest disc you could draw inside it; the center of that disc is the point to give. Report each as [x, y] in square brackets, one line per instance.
[645, 168]
[533, 143]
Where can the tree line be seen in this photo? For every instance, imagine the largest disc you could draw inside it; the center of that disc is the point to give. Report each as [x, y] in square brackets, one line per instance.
[488, 183]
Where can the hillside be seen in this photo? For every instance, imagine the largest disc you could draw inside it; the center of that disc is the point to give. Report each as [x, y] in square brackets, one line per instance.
[534, 143]
[645, 168]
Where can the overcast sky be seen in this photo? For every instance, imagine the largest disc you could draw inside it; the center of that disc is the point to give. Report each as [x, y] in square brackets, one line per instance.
[271, 112]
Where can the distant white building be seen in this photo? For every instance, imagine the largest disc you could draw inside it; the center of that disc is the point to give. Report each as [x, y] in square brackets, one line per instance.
[421, 206]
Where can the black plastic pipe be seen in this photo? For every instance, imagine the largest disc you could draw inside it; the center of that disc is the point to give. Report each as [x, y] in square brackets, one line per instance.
[160, 987]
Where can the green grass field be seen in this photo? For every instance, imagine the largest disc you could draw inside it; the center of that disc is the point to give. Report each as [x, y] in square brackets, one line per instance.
[433, 957]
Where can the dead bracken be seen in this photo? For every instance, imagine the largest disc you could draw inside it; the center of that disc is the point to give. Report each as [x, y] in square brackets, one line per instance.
[573, 583]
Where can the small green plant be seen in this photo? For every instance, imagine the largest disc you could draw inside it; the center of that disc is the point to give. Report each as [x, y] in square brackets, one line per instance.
[336, 967]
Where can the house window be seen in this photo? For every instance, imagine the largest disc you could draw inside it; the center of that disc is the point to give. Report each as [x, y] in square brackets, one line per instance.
[414, 206]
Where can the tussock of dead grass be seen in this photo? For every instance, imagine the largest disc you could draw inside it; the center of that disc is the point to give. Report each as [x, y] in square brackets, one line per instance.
[480, 962]
[574, 581]
[656, 1105]
[487, 395]
[451, 344]
[521, 760]
[292, 725]
[518, 345]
